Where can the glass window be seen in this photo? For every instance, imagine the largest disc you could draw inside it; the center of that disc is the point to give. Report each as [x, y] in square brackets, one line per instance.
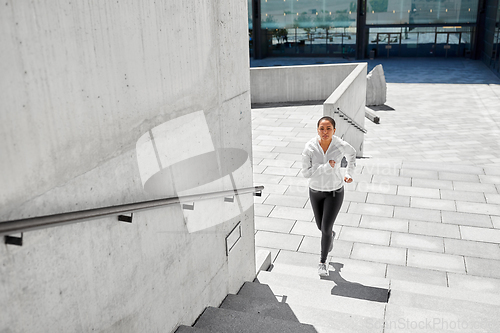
[421, 12]
[250, 18]
[310, 26]
[277, 14]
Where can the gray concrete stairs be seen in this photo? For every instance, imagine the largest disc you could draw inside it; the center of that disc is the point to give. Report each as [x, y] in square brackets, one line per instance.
[254, 309]
[292, 298]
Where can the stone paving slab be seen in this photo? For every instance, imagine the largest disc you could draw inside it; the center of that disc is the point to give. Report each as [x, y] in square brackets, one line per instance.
[355, 196]
[262, 210]
[426, 203]
[483, 267]
[478, 208]
[472, 249]
[475, 220]
[496, 221]
[414, 274]
[384, 223]
[351, 220]
[273, 224]
[463, 196]
[313, 245]
[434, 229]
[436, 261]
[292, 213]
[368, 236]
[419, 242]
[411, 213]
[307, 229]
[432, 183]
[480, 234]
[285, 200]
[476, 283]
[382, 188]
[376, 253]
[393, 180]
[420, 192]
[492, 198]
[474, 187]
[371, 209]
[284, 241]
[464, 177]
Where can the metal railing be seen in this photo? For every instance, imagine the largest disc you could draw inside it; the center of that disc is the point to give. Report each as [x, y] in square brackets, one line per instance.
[349, 120]
[8, 228]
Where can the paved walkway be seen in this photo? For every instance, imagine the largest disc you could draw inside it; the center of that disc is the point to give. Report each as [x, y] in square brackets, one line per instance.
[425, 202]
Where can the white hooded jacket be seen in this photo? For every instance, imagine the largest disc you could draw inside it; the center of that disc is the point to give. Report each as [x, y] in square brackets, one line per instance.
[315, 165]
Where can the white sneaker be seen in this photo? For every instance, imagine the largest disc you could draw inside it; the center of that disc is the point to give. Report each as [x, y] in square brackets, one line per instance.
[331, 244]
[322, 271]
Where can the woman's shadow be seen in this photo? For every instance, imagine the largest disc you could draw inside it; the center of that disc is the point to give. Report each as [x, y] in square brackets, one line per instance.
[354, 290]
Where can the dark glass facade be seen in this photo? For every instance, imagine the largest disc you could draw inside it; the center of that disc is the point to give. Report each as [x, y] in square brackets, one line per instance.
[386, 28]
[494, 60]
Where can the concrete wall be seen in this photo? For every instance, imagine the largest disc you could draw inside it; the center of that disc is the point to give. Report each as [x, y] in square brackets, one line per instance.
[349, 97]
[90, 93]
[296, 83]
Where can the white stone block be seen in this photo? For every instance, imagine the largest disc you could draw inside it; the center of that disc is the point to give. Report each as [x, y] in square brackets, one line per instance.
[376, 87]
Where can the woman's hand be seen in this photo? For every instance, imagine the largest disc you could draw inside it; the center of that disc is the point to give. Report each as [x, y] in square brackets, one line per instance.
[348, 179]
[332, 163]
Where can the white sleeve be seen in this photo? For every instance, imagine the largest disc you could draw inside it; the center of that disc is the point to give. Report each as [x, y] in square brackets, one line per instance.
[350, 156]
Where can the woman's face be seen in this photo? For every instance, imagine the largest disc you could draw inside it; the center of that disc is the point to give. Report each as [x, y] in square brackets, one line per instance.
[326, 130]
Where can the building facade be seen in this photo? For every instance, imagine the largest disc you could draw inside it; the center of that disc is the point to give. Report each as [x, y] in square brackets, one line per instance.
[376, 28]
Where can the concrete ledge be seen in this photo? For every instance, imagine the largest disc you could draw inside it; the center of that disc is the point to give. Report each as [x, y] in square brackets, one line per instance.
[262, 260]
[372, 116]
[349, 98]
[296, 83]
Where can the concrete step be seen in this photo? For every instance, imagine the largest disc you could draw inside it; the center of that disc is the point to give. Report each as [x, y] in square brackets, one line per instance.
[318, 294]
[257, 290]
[262, 260]
[337, 275]
[189, 329]
[333, 321]
[474, 283]
[350, 277]
[259, 306]
[347, 284]
[466, 310]
[321, 319]
[218, 320]
[402, 319]
[445, 292]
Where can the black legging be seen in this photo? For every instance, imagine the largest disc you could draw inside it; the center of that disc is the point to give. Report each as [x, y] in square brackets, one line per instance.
[326, 206]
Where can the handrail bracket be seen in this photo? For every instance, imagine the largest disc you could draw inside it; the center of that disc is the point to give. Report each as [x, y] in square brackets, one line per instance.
[126, 218]
[13, 240]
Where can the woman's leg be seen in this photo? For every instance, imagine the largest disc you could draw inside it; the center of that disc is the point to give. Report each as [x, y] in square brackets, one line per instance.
[317, 202]
[331, 208]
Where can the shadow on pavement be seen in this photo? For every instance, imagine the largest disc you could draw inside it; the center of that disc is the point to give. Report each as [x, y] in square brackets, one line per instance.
[353, 289]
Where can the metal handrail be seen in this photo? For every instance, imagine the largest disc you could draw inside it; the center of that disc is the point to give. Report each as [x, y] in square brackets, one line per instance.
[350, 120]
[47, 221]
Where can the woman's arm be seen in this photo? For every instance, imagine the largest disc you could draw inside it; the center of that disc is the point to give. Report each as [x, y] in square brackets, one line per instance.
[309, 169]
[350, 156]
